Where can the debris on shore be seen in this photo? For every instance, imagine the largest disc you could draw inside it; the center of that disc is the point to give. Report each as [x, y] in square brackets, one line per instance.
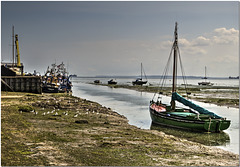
[63, 130]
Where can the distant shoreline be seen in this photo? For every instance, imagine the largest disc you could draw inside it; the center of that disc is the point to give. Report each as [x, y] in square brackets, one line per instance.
[152, 77]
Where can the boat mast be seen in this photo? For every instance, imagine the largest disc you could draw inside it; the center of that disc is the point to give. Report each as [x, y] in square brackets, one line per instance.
[205, 73]
[175, 47]
[141, 71]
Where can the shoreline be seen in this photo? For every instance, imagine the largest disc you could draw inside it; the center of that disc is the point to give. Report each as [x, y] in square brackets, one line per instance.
[49, 133]
[219, 95]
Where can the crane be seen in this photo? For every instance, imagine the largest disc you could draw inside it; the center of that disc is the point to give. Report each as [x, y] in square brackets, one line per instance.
[17, 48]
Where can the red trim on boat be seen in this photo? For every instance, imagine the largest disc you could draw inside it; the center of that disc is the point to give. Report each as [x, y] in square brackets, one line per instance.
[158, 108]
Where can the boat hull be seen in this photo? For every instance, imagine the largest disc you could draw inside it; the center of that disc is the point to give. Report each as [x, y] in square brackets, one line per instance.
[207, 125]
[112, 82]
[139, 82]
[205, 83]
[52, 88]
[49, 89]
[97, 81]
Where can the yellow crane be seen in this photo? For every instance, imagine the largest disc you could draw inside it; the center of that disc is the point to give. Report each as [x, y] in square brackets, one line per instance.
[18, 54]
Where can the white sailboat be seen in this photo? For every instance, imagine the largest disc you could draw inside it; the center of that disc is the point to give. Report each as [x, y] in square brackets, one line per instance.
[205, 83]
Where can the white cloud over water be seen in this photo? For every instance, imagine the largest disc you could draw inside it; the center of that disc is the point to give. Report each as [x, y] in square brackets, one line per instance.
[219, 36]
[217, 49]
[226, 36]
[201, 41]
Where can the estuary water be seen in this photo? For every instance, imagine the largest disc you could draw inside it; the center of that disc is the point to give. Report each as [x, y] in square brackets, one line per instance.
[134, 106]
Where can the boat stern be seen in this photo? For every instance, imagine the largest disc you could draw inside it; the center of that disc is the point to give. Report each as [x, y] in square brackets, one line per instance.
[217, 125]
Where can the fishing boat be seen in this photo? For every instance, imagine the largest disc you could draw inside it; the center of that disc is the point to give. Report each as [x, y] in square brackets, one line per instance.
[56, 80]
[191, 116]
[205, 83]
[139, 81]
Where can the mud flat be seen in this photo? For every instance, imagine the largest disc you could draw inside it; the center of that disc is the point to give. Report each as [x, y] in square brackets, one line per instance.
[219, 95]
[62, 130]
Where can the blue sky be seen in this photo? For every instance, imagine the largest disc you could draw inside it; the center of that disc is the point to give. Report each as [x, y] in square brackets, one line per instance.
[113, 38]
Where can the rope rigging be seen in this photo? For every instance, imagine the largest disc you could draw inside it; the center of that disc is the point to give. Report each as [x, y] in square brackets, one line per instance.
[144, 74]
[162, 81]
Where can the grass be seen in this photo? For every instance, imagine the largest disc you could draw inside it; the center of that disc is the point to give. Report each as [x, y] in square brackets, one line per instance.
[14, 129]
[222, 101]
[94, 147]
[112, 155]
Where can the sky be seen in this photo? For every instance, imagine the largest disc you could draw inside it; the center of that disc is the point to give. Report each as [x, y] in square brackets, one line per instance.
[113, 38]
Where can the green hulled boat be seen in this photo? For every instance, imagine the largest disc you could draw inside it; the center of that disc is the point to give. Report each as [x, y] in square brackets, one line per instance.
[194, 117]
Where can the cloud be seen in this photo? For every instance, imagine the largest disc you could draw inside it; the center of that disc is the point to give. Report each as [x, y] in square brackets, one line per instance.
[224, 31]
[187, 46]
[201, 41]
[200, 44]
[226, 58]
[194, 51]
[165, 45]
[226, 36]
[223, 36]
[184, 42]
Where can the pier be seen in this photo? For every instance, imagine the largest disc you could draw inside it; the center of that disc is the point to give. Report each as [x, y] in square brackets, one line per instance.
[31, 84]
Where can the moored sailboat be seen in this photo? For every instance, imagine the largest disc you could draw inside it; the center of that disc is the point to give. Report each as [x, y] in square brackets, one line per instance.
[205, 83]
[140, 81]
[194, 117]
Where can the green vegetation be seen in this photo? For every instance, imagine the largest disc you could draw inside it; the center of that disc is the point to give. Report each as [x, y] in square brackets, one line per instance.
[14, 132]
[25, 108]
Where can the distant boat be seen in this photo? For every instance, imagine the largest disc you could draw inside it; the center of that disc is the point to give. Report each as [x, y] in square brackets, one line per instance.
[195, 118]
[139, 81]
[205, 83]
[233, 77]
[74, 75]
[97, 81]
[112, 82]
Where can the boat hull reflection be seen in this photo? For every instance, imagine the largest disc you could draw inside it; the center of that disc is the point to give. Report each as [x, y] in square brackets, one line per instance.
[209, 139]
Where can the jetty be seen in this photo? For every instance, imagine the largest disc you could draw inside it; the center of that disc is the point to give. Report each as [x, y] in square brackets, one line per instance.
[12, 73]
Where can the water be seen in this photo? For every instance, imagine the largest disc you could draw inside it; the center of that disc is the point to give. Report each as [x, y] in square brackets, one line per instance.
[134, 105]
[155, 81]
